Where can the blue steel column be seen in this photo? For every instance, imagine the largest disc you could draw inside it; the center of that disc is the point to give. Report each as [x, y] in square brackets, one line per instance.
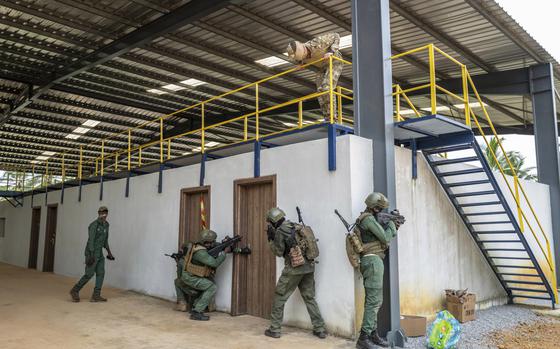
[546, 142]
[373, 118]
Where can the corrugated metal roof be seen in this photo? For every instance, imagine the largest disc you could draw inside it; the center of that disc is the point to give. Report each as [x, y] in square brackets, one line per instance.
[39, 37]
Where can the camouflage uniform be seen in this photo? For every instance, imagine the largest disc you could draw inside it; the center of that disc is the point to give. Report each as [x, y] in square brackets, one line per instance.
[302, 277]
[318, 47]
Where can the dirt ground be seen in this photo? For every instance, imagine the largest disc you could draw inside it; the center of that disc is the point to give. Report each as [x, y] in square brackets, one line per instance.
[536, 335]
[36, 312]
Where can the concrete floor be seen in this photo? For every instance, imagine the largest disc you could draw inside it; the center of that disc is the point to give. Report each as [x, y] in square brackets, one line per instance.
[36, 312]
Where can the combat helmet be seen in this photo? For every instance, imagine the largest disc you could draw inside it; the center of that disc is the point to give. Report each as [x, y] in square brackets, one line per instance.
[207, 235]
[274, 215]
[377, 200]
[296, 50]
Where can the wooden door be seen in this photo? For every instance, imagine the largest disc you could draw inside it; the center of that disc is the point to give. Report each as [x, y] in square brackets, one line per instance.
[34, 239]
[190, 221]
[254, 276]
[50, 238]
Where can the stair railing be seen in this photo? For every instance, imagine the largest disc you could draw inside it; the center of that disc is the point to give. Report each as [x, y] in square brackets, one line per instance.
[467, 86]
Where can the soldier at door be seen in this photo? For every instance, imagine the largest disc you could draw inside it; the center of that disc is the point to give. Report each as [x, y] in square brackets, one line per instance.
[199, 271]
[98, 238]
[320, 47]
[375, 234]
[299, 272]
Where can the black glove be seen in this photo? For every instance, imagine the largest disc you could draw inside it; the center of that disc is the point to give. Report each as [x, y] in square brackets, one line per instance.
[270, 232]
[110, 257]
[90, 261]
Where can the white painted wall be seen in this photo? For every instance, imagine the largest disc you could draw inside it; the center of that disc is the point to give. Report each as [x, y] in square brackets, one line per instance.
[435, 249]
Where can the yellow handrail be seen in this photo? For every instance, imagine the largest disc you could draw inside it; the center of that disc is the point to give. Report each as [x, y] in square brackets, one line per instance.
[468, 87]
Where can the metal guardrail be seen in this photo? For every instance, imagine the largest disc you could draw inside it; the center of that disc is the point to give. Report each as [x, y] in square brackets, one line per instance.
[94, 159]
[469, 89]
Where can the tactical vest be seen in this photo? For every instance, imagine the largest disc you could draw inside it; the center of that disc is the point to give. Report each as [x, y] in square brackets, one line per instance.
[194, 269]
[374, 247]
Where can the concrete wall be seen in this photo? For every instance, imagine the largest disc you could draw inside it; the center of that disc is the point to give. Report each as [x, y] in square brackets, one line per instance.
[146, 225]
[435, 249]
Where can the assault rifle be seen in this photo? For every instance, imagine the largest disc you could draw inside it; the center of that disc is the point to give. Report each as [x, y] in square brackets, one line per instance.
[300, 219]
[226, 242]
[349, 227]
[175, 256]
[384, 218]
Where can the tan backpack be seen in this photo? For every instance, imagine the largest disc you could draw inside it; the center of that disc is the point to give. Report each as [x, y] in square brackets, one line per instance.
[307, 242]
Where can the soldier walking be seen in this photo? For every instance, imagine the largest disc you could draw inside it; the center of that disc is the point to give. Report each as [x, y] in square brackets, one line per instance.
[322, 46]
[281, 240]
[375, 239]
[200, 267]
[98, 238]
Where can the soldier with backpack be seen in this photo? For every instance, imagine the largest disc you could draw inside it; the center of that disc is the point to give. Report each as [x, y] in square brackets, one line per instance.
[296, 243]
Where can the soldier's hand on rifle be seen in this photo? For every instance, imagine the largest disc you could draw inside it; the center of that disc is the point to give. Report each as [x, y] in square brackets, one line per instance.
[90, 261]
[228, 249]
[270, 232]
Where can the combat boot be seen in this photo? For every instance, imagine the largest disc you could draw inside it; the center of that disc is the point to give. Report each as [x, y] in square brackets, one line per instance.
[96, 297]
[378, 340]
[272, 334]
[321, 334]
[74, 293]
[364, 342]
[181, 306]
[195, 315]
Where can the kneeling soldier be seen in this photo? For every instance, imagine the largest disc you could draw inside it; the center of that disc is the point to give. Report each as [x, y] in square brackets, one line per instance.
[181, 289]
[282, 242]
[200, 267]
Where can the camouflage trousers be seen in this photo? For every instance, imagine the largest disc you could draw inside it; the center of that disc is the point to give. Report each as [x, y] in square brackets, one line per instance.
[205, 286]
[372, 269]
[287, 284]
[322, 81]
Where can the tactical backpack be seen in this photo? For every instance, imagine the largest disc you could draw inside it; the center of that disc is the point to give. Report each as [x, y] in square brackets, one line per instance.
[307, 242]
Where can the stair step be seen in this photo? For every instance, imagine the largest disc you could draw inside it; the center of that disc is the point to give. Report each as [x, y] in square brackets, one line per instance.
[486, 203]
[484, 213]
[524, 282]
[460, 172]
[517, 274]
[493, 222]
[460, 184]
[515, 266]
[448, 149]
[512, 258]
[532, 297]
[455, 161]
[493, 241]
[506, 249]
[496, 232]
[527, 290]
[474, 193]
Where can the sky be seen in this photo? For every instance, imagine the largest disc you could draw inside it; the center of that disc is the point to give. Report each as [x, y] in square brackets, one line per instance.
[539, 18]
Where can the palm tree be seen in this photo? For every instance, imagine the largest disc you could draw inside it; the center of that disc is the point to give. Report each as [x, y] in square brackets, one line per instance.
[516, 159]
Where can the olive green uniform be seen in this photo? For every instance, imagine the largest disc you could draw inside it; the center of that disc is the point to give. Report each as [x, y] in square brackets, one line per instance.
[302, 277]
[205, 285]
[98, 238]
[371, 267]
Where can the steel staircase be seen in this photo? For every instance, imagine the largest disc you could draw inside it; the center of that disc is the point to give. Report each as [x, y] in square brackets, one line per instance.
[472, 188]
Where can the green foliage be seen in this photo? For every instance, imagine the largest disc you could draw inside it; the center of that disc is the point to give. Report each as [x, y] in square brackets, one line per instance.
[516, 159]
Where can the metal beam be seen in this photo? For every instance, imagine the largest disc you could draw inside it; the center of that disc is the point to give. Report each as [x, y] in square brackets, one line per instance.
[401, 8]
[181, 16]
[373, 119]
[546, 142]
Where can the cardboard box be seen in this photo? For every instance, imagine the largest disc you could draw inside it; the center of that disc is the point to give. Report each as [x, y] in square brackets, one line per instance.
[462, 309]
[413, 326]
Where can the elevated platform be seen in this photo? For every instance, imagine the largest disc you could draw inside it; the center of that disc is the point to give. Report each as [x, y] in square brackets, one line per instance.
[427, 131]
[307, 133]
